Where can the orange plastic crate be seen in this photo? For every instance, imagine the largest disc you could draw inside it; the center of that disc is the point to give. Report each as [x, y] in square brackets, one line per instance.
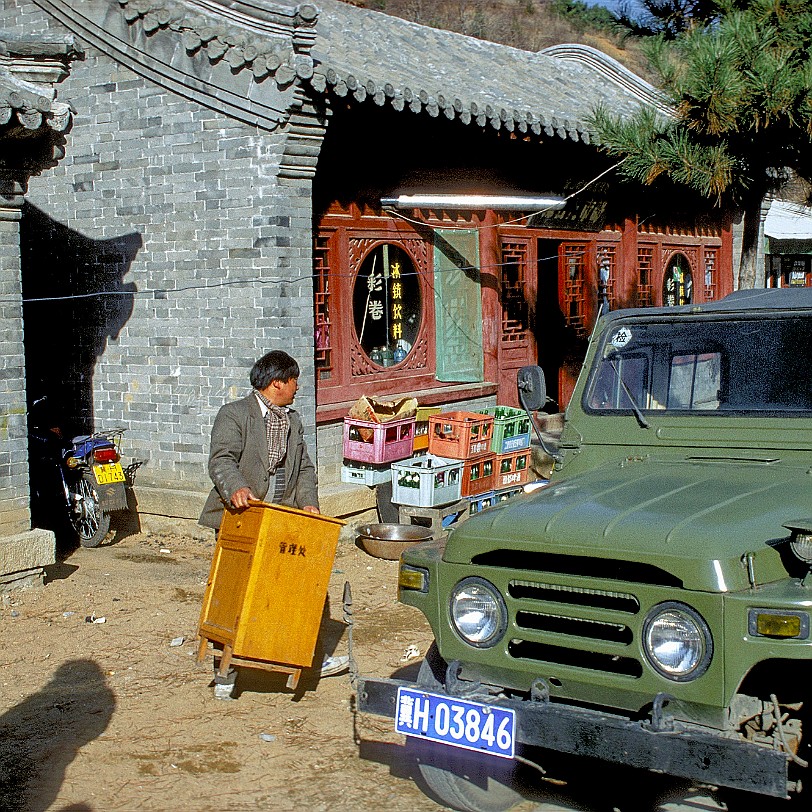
[512, 470]
[421, 426]
[478, 475]
[460, 435]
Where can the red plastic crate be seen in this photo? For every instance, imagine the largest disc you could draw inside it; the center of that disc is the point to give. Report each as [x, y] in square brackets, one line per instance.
[478, 475]
[460, 435]
[375, 443]
[512, 470]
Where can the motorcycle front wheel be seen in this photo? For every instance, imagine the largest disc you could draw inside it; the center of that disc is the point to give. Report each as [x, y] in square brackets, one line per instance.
[89, 521]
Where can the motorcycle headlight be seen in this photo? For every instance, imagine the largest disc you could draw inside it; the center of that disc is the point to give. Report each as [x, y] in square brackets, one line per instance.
[478, 612]
[677, 642]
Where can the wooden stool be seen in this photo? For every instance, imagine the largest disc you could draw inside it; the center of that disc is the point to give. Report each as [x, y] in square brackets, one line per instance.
[432, 517]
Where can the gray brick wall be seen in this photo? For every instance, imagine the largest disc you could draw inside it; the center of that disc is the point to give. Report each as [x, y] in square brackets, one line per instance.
[14, 513]
[206, 248]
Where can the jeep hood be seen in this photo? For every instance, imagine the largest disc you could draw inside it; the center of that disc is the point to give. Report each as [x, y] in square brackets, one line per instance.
[694, 519]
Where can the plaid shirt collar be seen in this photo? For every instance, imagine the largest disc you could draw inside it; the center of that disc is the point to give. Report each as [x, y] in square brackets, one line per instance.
[277, 427]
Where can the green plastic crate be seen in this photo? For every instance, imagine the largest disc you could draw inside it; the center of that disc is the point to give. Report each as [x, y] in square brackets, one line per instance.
[511, 429]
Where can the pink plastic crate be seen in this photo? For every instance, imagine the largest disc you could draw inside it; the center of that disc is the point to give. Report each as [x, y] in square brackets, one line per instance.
[378, 442]
[460, 435]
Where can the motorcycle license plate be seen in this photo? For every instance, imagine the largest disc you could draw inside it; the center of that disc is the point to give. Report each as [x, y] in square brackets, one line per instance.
[456, 722]
[109, 473]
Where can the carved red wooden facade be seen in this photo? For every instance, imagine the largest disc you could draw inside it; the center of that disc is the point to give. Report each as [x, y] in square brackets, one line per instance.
[539, 292]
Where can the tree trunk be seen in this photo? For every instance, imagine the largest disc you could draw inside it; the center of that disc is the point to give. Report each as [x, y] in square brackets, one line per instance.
[750, 233]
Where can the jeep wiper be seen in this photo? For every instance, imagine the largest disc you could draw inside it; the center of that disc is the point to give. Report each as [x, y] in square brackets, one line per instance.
[635, 408]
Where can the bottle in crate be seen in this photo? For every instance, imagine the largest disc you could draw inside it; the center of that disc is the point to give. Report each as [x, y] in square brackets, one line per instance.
[513, 469]
[478, 503]
[478, 475]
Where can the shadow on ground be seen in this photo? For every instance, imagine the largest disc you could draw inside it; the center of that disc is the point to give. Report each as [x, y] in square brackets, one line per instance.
[41, 735]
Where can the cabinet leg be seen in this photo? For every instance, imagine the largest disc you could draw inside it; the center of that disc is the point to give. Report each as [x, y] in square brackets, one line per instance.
[202, 648]
[225, 661]
[225, 677]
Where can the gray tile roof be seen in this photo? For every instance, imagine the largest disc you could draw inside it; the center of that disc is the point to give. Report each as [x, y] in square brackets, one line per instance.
[27, 97]
[363, 53]
[339, 49]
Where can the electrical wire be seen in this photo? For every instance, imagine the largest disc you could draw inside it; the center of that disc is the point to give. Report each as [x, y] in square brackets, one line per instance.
[153, 292]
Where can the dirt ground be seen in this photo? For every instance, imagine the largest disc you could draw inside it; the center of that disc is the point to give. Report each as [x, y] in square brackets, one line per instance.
[118, 715]
[112, 716]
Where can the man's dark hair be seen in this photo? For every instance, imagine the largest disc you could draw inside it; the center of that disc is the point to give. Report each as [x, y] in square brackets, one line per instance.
[275, 365]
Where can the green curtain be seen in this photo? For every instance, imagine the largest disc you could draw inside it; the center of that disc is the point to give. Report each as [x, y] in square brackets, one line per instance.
[457, 305]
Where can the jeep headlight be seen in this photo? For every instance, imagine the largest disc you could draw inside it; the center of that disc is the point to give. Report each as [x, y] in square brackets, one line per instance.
[677, 641]
[801, 545]
[478, 612]
[801, 540]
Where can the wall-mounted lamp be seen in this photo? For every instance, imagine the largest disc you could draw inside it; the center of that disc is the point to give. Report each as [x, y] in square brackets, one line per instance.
[493, 202]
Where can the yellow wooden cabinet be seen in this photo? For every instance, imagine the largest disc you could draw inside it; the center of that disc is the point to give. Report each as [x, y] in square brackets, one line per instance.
[267, 587]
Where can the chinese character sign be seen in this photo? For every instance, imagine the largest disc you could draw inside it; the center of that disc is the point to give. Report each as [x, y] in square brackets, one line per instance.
[387, 309]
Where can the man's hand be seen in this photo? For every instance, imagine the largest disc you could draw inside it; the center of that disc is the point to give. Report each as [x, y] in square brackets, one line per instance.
[239, 499]
[311, 509]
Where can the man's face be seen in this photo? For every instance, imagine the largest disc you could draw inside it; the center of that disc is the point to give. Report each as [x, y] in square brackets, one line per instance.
[282, 393]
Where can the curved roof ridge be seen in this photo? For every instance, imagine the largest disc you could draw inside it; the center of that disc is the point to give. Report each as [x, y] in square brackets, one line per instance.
[256, 52]
[615, 71]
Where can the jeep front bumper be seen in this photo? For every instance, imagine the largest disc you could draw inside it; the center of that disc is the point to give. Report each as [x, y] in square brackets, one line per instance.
[685, 753]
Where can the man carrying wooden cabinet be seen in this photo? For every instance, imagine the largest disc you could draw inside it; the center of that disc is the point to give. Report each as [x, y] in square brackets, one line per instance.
[258, 452]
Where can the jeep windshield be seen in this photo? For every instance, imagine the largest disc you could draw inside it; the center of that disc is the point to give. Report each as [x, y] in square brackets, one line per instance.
[705, 365]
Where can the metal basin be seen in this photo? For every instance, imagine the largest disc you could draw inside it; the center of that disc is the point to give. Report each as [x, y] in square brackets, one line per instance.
[390, 540]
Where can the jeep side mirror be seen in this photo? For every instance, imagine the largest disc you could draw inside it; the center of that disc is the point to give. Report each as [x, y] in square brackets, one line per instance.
[533, 396]
[532, 388]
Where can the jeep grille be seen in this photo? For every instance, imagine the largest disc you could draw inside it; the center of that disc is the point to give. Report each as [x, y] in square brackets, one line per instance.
[581, 566]
[564, 611]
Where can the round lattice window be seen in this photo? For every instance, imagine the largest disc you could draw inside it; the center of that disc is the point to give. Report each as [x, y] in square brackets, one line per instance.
[386, 305]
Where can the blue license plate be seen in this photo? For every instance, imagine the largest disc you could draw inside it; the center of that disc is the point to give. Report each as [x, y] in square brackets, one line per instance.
[456, 722]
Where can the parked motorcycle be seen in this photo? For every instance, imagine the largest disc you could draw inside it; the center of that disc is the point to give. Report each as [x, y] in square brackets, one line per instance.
[82, 477]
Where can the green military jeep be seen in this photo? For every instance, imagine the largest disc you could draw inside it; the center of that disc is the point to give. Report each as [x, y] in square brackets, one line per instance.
[651, 606]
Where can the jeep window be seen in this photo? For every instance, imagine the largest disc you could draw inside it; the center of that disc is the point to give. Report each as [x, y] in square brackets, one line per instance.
[705, 365]
[695, 381]
[608, 392]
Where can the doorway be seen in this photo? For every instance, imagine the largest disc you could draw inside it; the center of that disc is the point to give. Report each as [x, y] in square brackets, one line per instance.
[551, 325]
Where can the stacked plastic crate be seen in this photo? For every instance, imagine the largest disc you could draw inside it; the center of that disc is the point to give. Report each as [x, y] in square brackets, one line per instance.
[421, 428]
[370, 448]
[467, 436]
[426, 481]
[511, 446]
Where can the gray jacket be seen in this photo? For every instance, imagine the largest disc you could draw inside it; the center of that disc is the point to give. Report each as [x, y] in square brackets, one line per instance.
[239, 459]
